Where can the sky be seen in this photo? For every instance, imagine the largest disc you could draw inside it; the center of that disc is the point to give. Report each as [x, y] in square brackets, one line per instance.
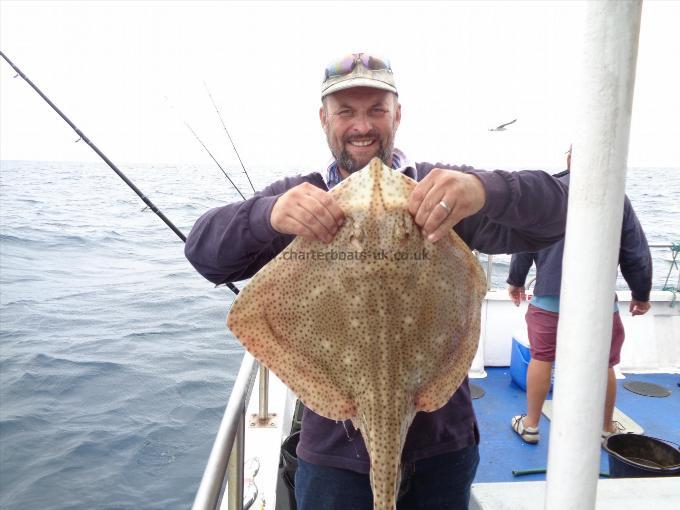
[130, 74]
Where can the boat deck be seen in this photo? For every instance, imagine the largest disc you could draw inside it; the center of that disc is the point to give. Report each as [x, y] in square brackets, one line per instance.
[502, 451]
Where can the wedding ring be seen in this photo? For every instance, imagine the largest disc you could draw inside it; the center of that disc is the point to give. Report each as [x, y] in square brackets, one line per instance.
[446, 207]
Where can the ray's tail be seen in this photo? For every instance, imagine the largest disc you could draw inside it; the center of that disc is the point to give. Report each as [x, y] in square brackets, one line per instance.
[384, 436]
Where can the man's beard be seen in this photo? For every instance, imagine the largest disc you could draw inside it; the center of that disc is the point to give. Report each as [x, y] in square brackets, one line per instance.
[351, 165]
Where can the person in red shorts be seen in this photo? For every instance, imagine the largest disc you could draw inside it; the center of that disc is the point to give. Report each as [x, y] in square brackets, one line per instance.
[543, 314]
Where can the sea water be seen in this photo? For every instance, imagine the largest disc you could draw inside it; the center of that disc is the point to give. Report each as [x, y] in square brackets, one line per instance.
[115, 362]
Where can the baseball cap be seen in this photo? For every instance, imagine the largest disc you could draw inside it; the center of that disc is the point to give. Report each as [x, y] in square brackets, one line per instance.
[358, 70]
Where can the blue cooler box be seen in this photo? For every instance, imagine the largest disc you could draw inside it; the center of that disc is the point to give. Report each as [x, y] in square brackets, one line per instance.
[519, 360]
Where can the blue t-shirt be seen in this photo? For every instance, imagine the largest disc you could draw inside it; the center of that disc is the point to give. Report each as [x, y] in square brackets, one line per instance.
[552, 303]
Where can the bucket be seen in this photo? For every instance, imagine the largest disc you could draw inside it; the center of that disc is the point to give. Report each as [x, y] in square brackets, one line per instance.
[289, 456]
[637, 456]
[287, 469]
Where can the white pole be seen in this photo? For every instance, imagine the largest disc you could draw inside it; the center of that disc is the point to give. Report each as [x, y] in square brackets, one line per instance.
[597, 186]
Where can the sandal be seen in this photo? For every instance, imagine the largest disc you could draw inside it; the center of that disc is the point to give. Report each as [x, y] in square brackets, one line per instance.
[528, 434]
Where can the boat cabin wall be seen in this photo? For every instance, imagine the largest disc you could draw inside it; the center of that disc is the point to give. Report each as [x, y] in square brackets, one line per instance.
[652, 340]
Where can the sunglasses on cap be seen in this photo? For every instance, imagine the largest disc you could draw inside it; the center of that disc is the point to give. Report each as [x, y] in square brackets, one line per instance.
[347, 64]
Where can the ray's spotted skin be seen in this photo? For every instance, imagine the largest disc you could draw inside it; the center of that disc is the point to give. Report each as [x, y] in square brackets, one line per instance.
[373, 327]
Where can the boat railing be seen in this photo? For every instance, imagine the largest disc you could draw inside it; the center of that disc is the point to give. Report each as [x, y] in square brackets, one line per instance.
[675, 249]
[225, 465]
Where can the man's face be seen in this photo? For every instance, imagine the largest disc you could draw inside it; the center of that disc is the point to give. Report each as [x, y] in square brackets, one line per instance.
[360, 123]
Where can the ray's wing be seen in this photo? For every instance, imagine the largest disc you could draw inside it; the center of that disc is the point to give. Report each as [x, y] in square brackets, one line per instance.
[453, 338]
[284, 317]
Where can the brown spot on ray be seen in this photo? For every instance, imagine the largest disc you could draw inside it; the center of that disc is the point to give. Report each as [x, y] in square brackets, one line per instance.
[359, 334]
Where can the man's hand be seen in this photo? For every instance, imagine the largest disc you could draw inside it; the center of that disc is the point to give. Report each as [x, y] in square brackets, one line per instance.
[308, 212]
[517, 294]
[639, 307]
[463, 194]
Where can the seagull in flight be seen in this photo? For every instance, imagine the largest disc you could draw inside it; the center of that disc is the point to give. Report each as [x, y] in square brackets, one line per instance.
[502, 126]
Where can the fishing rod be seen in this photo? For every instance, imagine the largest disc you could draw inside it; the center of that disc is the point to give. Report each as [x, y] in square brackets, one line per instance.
[229, 136]
[206, 148]
[113, 167]
[213, 158]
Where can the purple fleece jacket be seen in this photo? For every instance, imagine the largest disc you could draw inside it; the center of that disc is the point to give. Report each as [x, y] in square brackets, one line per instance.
[524, 211]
